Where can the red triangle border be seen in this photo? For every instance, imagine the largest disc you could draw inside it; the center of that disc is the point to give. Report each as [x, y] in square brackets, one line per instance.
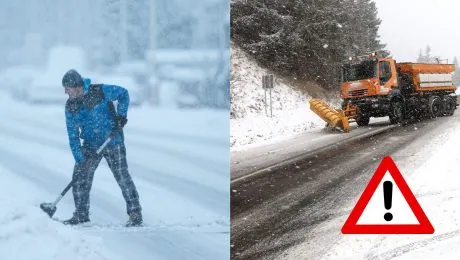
[351, 227]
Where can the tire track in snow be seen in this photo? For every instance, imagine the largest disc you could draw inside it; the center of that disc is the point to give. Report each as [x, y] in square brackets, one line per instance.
[190, 247]
[216, 168]
[27, 136]
[435, 193]
[200, 162]
[401, 250]
[215, 200]
[212, 199]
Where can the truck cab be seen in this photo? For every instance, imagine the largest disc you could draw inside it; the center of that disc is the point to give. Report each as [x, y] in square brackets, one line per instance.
[366, 87]
[371, 77]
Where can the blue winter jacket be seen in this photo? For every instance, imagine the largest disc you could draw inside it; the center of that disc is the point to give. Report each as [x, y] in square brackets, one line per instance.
[89, 117]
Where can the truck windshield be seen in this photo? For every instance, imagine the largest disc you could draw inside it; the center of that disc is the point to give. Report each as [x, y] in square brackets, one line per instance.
[363, 70]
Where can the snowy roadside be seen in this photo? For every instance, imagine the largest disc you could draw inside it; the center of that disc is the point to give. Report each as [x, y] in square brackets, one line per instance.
[251, 121]
[257, 130]
[27, 233]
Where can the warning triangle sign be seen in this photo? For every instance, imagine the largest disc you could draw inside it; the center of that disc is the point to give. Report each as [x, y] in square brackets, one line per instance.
[387, 206]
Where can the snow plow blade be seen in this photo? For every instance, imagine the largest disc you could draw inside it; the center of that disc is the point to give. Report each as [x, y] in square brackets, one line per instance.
[334, 118]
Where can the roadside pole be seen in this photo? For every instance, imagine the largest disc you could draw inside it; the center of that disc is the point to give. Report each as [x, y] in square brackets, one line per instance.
[267, 84]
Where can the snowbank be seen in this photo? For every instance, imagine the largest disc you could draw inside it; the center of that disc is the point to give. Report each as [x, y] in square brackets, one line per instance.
[258, 129]
[249, 123]
[27, 233]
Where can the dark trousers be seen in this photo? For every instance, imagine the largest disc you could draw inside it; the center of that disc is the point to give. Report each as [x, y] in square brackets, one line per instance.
[83, 174]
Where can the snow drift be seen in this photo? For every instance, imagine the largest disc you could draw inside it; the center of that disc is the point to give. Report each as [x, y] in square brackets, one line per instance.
[249, 123]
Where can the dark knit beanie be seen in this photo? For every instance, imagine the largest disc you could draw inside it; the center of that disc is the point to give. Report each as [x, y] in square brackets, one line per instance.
[72, 79]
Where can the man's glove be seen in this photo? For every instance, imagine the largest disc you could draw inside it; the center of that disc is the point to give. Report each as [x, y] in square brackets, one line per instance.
[90, 154]
[121, 121]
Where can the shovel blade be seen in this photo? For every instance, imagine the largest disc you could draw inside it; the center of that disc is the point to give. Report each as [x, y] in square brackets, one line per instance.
[48, 208]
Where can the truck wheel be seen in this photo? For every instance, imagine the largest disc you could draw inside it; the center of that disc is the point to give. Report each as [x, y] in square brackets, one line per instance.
[396, 112]
[449, 106]
[362, 119]
[434, 106]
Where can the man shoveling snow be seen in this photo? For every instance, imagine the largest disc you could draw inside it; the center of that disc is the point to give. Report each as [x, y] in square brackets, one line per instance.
[91, 116]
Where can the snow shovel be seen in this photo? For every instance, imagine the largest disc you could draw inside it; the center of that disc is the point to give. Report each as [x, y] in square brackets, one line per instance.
[50, 208]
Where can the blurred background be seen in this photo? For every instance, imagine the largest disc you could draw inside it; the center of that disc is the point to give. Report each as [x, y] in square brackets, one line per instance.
[173, 57]
[169, 53]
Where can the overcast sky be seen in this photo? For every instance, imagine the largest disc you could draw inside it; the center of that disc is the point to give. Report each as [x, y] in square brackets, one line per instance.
[408, 25]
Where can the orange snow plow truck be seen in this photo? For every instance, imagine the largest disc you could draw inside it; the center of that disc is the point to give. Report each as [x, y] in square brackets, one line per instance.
[380, 87]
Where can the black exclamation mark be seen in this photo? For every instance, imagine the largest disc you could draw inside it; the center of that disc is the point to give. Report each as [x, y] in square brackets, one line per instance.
[387, 196]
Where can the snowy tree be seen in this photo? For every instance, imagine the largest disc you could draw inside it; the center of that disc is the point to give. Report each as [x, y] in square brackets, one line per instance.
[428, 53]
[420, 58]
[114, 31]
[112, 47]
[363, 24]
[137, 22]
[307, 40]
[427, 57]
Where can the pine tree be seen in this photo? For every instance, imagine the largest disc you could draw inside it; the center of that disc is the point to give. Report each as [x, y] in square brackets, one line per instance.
[427, 57]
[110, 32]
[420, 58]
[307, 40]
[137, 19]
[363, 25]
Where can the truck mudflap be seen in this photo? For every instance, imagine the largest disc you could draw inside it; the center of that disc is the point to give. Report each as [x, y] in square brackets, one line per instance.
[335, 118]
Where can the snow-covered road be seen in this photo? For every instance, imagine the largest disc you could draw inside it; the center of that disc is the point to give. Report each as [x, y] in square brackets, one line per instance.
[431, 168]
[179, 161]
[304, 218]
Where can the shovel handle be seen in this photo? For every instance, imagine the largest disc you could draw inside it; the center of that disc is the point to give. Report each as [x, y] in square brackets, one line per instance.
[67, 188]
[107, 141]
